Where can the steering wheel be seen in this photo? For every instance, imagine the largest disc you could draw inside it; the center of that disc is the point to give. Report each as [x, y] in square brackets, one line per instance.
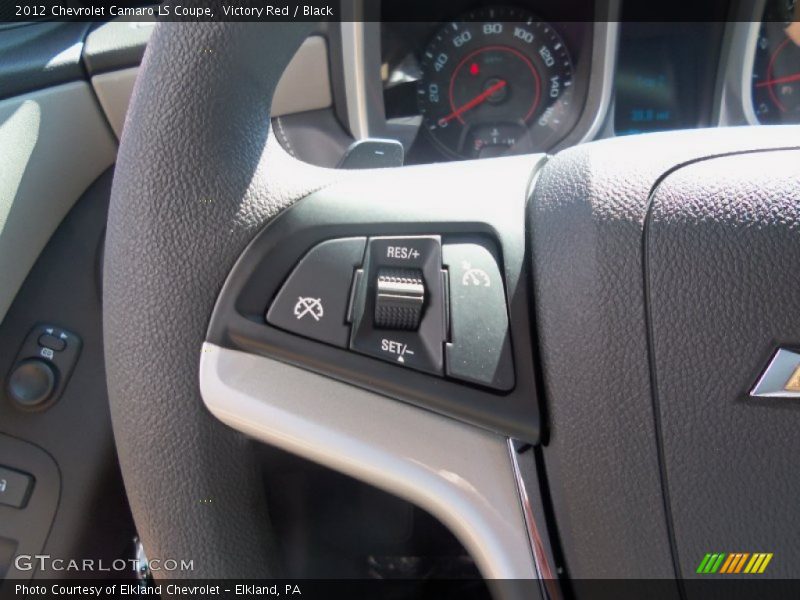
[650, 278]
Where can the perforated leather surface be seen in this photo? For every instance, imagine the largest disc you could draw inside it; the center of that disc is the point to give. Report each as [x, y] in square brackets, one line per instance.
[193, 185]
[587, 230]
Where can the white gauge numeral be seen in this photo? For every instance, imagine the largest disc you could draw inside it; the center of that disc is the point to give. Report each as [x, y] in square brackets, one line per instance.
[462, 39]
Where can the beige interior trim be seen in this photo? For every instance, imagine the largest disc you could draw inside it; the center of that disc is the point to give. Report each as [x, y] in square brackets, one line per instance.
[114, 90]
[53, 144]
[305, 85]
[461, 474]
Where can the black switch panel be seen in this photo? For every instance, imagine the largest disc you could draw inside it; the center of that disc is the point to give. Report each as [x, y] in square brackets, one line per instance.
[419, 349]
[43, 367]
[420, 302]
[420, 312]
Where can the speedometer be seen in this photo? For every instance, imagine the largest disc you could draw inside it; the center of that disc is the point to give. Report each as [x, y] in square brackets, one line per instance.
[497, 81]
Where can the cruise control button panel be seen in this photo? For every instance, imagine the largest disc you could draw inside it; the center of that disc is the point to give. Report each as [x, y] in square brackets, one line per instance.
[313, 301]
[420, 302]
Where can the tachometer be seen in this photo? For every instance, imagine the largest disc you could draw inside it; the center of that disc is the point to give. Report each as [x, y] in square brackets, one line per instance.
[497, 81]
[776, 73]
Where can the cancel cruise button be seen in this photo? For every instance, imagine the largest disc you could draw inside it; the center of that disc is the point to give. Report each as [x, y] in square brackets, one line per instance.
[313, 301]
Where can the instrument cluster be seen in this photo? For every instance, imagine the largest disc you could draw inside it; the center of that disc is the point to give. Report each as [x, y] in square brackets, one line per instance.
[493, 81]
[527, 76]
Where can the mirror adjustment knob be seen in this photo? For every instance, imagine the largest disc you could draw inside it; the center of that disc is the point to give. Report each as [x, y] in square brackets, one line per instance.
[399, 299]
[31, 383]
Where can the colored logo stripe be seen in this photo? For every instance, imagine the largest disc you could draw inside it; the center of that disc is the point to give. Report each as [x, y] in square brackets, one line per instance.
[727, 564]
[703, 563]
[734, 562]
[758, 563]
[710, 563]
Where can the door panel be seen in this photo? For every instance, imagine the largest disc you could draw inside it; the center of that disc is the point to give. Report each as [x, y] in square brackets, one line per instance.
[54, 143]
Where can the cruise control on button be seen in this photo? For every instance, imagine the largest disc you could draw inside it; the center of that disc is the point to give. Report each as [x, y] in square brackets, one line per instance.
[480, 350]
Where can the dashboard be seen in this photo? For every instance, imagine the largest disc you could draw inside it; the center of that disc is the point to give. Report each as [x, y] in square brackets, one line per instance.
[491, 78]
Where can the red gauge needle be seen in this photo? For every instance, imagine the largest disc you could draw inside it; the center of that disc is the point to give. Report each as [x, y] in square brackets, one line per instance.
[787, 79]
[479, 99]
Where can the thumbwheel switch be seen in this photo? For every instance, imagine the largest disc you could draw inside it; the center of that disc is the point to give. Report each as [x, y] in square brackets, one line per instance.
[399, 299]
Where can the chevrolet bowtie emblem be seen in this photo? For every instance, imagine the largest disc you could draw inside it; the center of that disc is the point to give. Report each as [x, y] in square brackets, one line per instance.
[794, 382]
[781, 379]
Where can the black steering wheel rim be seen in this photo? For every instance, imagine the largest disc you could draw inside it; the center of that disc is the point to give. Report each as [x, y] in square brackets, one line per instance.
[197, 175]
